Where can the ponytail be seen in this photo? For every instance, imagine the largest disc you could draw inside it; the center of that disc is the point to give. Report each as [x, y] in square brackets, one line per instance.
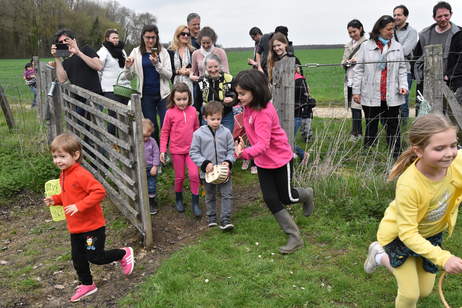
[419, 136]
[404, 160]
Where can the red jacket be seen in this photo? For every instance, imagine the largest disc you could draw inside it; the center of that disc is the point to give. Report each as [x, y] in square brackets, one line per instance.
[79, 187]
[177, 129]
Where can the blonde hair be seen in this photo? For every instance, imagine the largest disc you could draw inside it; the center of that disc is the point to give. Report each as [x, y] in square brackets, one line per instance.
[422, 129]
[68, 143]
[147, 124]
[175, 43]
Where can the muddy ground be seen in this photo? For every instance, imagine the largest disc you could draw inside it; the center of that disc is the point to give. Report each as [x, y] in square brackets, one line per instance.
[35, 265]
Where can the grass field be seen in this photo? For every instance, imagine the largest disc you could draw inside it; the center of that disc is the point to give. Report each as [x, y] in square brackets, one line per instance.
[326, 83]
[243, 268]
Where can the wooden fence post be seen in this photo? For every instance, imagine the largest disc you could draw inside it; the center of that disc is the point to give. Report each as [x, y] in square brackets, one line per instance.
[283, 90]
[433, 77]
[141, 170]
[6, 110]
[39, 81]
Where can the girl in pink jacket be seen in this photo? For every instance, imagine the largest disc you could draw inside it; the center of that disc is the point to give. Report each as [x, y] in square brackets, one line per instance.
[272, 154]
[179, 124]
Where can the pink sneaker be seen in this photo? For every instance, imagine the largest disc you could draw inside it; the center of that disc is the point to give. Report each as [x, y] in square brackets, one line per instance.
[83, 291]
[128, 261]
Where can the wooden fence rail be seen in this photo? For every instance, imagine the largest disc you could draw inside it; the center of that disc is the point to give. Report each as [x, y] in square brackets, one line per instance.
[115, 158]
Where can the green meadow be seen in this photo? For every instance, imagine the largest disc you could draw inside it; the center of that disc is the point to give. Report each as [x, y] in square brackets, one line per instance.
[243, 268]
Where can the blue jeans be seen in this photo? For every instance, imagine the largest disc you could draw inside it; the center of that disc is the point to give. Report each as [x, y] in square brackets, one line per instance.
[298, 150]
[228, 121]
[34, 92]
[153, 105]
[405, 107]
[152, 179]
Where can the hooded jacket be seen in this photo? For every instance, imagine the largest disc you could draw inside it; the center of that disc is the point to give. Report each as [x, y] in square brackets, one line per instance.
[210, 146]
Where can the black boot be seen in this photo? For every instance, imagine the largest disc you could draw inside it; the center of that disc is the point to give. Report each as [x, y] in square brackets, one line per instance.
[179, 202]
[153, 206]
[195, 205]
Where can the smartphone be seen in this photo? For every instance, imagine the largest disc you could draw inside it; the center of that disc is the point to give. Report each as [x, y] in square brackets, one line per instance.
[154, 52]
[62, 50]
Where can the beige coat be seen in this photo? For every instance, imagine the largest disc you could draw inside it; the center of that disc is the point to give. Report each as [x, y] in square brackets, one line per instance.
[349, 48]
[366, 76]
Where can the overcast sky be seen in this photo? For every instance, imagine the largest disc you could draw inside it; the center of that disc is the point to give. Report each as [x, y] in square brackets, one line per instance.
[309, 22]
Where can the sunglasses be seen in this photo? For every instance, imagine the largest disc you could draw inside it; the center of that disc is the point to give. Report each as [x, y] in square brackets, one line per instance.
[185, 34]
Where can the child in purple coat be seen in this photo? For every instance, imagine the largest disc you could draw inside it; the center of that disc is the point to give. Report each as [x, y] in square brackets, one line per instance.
[151, 155]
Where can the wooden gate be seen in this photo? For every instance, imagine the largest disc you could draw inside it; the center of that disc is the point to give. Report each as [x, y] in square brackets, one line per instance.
[115, 159]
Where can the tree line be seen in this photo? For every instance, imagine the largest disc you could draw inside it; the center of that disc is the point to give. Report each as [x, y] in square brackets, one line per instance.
[27, 26]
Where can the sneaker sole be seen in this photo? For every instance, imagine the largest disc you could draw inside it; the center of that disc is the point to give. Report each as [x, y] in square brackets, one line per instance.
[211, 225]
[85, 295]
[227, 227]
[370, 258]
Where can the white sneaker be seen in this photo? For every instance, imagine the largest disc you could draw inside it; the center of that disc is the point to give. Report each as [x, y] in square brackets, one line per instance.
[370, 265]
[253, 170]
[245, 164]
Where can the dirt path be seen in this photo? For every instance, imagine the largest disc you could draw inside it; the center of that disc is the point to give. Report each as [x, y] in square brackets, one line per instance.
[339, 112]
[35, 265]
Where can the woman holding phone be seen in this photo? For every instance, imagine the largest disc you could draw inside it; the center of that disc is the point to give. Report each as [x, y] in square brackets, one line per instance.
[150, 62]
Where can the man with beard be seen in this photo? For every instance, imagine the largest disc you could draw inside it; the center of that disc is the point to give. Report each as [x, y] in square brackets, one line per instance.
[440, 32]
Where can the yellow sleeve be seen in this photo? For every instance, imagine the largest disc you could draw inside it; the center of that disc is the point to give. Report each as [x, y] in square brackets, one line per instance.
[409, 205]
[456, 167]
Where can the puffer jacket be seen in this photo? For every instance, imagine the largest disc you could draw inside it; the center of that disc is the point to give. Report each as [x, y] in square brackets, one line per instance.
[366, 77]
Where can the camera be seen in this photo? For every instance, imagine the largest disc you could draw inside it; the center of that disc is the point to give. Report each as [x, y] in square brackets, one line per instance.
[62, 50]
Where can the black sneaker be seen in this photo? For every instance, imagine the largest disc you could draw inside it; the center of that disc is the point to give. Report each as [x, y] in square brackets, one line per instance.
[153, 209]
[212, 222]
[226, 225]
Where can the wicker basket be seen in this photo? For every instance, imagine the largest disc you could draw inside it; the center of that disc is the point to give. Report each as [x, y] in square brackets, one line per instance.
[219, 175]
[123, 90]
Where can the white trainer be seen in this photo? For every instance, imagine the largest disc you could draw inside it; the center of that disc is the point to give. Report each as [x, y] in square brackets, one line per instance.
[370, 265]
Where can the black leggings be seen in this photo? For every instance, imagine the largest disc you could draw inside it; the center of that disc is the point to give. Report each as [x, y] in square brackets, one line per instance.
[276, 187]
[89, 247]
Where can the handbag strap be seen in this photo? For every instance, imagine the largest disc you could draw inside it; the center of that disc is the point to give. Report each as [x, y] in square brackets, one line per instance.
[354, 51]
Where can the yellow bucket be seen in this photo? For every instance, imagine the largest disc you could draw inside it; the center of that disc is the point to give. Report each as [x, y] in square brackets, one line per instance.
[52, 187]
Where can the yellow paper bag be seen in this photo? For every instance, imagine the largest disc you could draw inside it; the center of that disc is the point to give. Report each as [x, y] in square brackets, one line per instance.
[52, 187]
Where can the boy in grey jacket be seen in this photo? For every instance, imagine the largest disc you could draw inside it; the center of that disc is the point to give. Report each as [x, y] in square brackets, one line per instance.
[213, 144]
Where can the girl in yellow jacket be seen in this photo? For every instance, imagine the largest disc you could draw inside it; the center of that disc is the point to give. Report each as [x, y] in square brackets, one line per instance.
[428, 194]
